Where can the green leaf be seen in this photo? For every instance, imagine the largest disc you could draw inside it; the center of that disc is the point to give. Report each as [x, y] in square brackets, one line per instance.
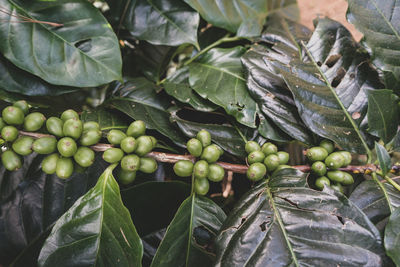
[392, 237]
[279, 223]
[190, 235]
[177, 85]
[270, 131]
[15, 80]
[110, 238]
[243, 17]
[164, 22]
[218, 76]
[384, 158]
[107, 119]
[138, 99]
[382, 37]
[81, 52]
[383, 114]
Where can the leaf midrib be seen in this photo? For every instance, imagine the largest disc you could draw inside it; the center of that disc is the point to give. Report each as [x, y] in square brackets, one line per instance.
[221, 70]
[381, 115]
[190, 230]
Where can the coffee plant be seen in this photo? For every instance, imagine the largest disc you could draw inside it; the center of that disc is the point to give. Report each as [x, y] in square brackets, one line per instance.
[198, 133]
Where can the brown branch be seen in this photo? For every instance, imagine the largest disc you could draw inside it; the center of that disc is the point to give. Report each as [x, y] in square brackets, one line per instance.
[227, 184]
[24, 19]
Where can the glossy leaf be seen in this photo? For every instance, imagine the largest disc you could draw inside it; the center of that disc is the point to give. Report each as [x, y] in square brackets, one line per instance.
[384, 159]
[190, 236]
[111, 237]
[392, 237]
[138, 99]
[218, 76]
[177, 85]
[164, 22]
[15, 80]
[270, 131]
[243, 17]
[383, 114]
[279, 223]
[81, 50]
[107, 119]
[382, 37]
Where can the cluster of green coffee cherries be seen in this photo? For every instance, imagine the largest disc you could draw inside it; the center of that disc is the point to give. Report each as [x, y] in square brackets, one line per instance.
[205, 169]
[264, 159]
[68, 146]
[326, 163]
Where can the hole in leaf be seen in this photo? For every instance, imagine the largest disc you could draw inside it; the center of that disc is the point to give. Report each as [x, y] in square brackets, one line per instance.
[239, 107]
[332, 60]
[339, 76]
[201, 117]
[263, 226]
[84, 45]
[340, 219]
[352, 75]
[319, 63]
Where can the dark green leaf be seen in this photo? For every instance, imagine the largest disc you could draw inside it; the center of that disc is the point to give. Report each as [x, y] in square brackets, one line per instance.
[111, 237]
[177, 85]
[164, 22]
[107, 119]
[138, 99]
[243, 17]
[153, 204]
[382, 37]
[224, 135]
[15, 80]
[383, 114]
[190, 236]
[392, 237]
[81, 52]
[384, 158]
[270, 131]
[284, 224]
[150, 244]
[218, 76]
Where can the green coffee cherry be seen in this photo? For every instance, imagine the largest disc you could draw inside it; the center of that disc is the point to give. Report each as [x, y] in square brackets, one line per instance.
[130, 163]
[54, 126]
[34, 121]
[321, 182]
[84, 156]
[90, 137]
[255, 156]
[201, 186]
[251, 146]
[148, 165]
[91, 125]
[64, 168]
[269, 149]
[73, 128]
[347, 179]
[334, 161]
[126, 177]
[319, 168]
[210, 154]
[281, 167]
[153, 141]
[144, 145]
[49, 163]
[256, 171]
[9, 133]
[11, 161]
[204, 137]
[200, 169]
[45, 145]
[2, 123]
[136, 129]
[23, 105]
[13, 115]
[113, 155]
[283, 157]
[23, 145]
[115, 137]
[66, 146]
[128, 144]
[194, 147]
[215, 173]
[336, 176]
[338, 187]
[221, 151]
[347, 157]
[271, 162]
[328, 145]
[69, 114]
[316, 153]
[183, 168]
